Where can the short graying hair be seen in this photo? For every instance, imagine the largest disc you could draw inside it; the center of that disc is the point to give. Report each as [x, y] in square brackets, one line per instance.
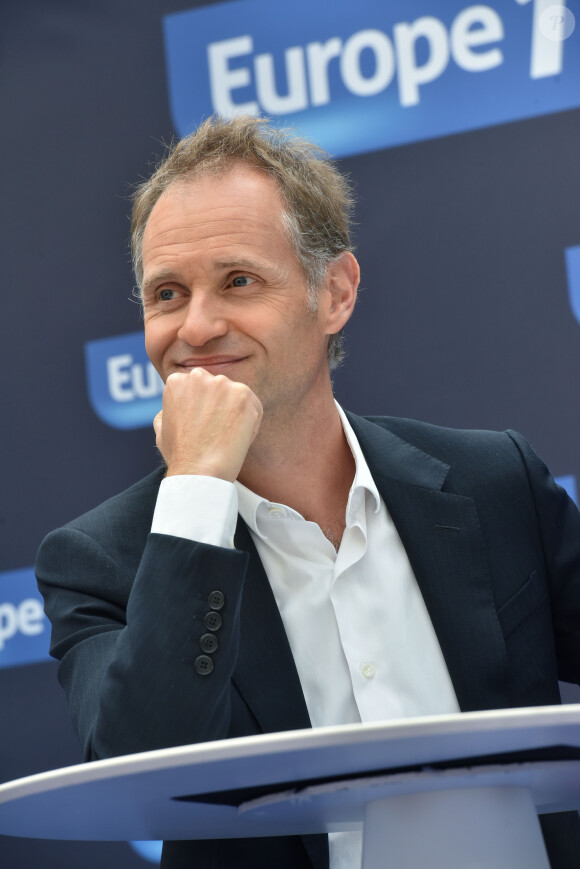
[318, 198]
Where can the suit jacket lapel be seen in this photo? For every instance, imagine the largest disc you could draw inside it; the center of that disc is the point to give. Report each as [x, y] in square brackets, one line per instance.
[441, 533]
[265, 673]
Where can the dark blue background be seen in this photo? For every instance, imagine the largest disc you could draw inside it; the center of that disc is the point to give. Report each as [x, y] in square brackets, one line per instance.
[464, 320]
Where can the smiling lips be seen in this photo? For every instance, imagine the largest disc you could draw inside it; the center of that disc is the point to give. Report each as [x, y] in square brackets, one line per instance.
[213, 364]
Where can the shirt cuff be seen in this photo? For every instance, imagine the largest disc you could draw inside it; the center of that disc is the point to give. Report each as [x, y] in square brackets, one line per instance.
[198, 508]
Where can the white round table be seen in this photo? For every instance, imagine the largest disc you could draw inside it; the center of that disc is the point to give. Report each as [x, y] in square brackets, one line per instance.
[444, 791]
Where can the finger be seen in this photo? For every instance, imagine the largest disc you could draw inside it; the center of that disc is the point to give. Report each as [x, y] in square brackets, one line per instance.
[258, 422]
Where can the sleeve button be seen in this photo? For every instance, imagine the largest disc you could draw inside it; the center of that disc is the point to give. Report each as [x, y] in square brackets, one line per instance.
[208, 643]
[216, 600]
[203, 665]
[212, 621]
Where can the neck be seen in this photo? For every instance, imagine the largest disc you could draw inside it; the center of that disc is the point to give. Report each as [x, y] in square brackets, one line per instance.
[305, 463]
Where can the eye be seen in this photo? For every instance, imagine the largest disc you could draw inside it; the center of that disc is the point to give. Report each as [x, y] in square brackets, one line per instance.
[242, 281]
[166, 295]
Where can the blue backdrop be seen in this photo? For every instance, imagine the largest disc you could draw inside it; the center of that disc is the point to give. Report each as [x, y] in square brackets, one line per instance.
[459, 125]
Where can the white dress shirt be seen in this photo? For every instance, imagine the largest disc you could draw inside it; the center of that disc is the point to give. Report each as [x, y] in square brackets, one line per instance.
[361, 637]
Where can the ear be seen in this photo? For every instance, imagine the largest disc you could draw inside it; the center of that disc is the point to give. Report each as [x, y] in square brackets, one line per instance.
[342, 279]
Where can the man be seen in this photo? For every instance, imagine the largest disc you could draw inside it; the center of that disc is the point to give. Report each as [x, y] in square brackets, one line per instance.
[291, 565]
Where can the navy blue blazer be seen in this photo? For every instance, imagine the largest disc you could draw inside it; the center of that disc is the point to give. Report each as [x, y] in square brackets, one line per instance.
[493, 542]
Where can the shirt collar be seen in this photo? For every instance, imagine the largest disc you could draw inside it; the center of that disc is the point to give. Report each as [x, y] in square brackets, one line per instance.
[363, 480]
[251, 506]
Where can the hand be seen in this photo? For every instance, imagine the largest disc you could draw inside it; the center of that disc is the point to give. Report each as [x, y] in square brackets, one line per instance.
[207, 424]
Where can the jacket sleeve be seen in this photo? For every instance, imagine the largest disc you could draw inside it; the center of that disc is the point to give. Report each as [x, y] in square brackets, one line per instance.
[559, 525]
[130, 644]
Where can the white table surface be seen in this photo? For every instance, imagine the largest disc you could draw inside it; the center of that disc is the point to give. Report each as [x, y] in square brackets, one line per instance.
[132, 797]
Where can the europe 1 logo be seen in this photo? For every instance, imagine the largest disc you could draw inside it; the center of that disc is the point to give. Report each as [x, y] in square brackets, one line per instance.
[373, 75]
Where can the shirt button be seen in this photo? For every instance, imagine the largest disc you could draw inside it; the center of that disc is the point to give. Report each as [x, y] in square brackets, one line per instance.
[276, 511]
[368, 670]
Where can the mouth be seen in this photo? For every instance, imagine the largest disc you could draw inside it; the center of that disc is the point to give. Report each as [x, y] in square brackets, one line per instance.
[213, 364]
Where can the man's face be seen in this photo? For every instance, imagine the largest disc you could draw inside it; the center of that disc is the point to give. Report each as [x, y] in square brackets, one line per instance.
[223, 290]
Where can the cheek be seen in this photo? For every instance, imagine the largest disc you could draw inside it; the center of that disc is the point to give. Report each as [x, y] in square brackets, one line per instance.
[157, 339]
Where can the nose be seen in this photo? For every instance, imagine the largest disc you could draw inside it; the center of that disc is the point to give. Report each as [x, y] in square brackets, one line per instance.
[204, 320]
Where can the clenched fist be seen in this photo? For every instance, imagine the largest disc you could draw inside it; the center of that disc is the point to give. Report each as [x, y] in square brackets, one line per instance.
[207, 424]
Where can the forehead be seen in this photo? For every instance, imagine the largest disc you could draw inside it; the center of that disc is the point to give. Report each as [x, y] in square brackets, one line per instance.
[232, 216]
[206, 221]
[237, 194]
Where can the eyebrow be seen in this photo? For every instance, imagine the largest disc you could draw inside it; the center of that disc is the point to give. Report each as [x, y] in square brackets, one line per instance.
[217, 266]
[276, 271]
[156, 278]
[223, 265]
